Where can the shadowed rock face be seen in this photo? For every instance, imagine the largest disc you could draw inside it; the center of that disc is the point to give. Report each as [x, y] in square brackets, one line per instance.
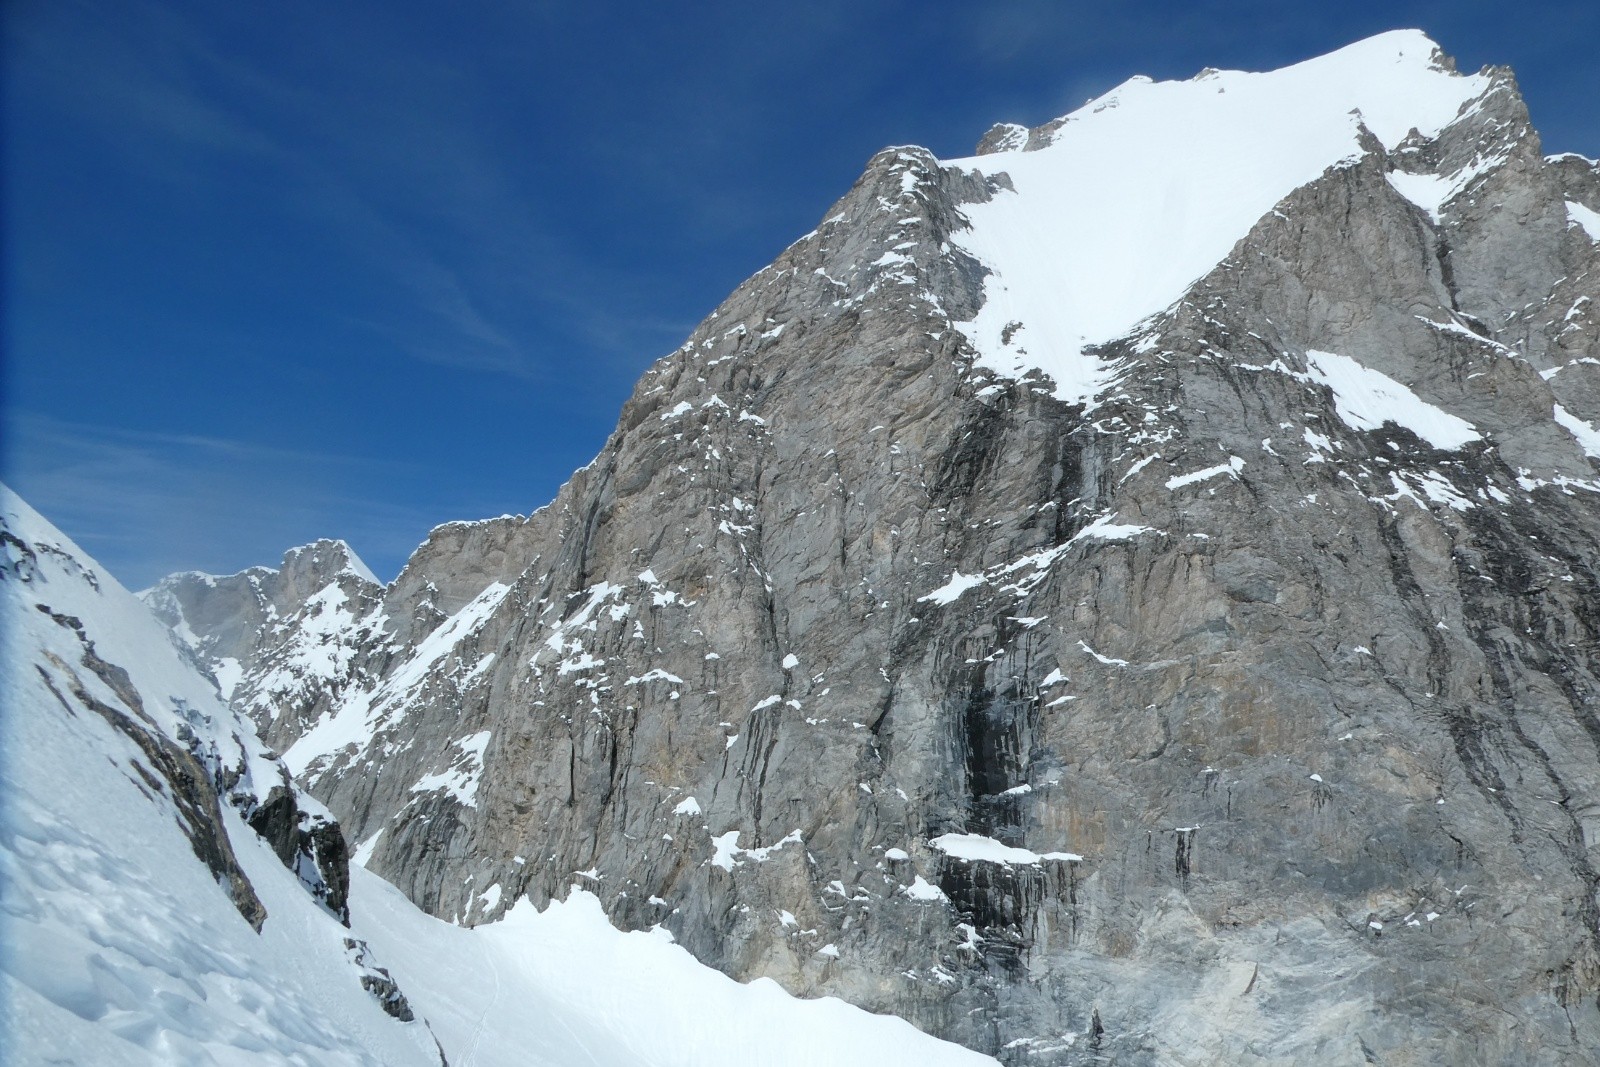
[313, 847]
[1303, 701]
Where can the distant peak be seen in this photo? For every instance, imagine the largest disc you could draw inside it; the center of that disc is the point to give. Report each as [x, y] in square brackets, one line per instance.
[331, 556]
[358, 565]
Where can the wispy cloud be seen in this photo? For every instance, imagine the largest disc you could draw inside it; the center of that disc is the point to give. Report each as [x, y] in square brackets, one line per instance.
[149, 503]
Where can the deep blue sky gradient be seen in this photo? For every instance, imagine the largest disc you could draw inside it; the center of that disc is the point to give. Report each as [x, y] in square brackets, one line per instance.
[275, 272]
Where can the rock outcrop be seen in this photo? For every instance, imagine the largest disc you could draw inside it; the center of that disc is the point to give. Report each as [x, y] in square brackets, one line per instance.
[1232, 701]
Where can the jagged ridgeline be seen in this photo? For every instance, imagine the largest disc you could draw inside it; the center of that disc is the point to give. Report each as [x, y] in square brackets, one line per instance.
[1128, 596]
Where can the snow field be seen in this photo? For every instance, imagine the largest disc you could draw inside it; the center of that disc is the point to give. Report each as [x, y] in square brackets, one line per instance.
[1144, 190]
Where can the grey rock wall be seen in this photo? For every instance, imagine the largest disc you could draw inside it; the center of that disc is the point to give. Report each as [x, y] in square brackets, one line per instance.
[1305, 712]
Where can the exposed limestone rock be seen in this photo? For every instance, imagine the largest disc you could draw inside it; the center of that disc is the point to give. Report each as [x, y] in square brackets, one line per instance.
[309, 844]
[1308, 696]
[377, 981]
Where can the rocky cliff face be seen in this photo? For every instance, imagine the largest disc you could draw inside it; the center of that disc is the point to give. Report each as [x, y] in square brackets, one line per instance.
[1156, 629]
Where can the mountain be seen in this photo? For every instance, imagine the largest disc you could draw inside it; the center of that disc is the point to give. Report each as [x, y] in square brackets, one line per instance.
[170, 896]
[1126, 596]
[298, 628]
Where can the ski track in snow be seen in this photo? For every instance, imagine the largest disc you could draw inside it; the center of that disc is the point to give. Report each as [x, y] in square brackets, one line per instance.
[470, 1057]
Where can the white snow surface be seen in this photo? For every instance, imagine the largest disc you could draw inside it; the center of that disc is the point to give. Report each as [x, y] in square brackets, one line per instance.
[1586, 433]
[228, 672]
[356, 565]
[120, 947]
[1431, 192]
[318, 651]
[1103, 529]
[951, 591]
[1144, 190]
[1586, 217]
[922, 889]
[460, 780]
[728, 854]
[1232, 467]
[972, 847]
[1366, 399]
[564, 987]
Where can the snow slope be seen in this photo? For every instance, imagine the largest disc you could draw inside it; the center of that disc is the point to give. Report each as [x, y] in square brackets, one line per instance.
[122, 947]
[1144, 190]
[563, 987]
[1366, 399]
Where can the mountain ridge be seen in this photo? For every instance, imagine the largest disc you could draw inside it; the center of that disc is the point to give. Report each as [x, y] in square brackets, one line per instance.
[1275, 612]
[170, 894]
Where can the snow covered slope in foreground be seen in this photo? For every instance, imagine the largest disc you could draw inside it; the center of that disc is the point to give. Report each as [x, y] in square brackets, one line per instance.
[564, 987]
[132, 888]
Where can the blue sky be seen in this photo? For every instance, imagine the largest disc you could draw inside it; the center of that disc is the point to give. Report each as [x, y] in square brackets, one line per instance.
[279, 272]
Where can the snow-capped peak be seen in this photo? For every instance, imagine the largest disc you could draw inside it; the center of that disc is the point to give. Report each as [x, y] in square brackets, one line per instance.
[1141, 192]
[340, 553]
